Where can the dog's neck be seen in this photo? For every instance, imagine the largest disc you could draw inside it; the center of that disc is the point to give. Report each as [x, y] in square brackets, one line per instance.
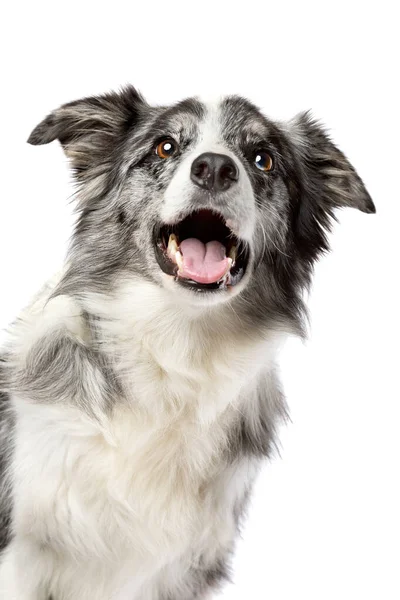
[183, 357]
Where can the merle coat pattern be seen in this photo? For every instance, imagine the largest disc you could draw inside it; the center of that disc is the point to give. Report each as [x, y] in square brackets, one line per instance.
[136, 406]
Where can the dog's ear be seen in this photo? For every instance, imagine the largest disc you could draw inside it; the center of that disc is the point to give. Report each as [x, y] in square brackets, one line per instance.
[90, 128]
[327, 174]
[323, 181]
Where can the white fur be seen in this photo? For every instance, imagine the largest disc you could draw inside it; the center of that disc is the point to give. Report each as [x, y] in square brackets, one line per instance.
[180, 189]
[126, 501]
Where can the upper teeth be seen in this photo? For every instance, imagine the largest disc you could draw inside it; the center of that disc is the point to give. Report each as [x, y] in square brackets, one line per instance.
[172, 245]
[173, 250]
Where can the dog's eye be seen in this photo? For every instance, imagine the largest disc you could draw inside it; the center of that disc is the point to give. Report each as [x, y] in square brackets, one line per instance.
[167, 148]
[263, 161]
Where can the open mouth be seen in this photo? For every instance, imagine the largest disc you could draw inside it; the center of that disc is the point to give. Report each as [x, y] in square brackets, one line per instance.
[201, 252]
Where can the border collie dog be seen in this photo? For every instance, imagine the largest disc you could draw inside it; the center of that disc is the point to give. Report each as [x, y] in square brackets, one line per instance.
[139, 391]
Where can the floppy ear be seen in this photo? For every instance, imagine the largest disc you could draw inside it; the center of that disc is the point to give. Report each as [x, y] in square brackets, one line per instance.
[89, 129]
[325, 181]
[327, 171]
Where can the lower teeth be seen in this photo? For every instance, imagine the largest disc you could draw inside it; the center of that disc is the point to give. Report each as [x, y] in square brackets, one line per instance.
[179, 259]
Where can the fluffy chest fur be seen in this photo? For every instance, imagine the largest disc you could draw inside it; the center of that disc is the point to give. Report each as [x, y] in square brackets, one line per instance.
[155, 475]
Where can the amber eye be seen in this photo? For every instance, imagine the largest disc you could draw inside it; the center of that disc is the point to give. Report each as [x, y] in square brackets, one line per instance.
[166, 148]
[263, 161]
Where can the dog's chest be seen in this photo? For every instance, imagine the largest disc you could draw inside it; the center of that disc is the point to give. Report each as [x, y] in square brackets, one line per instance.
[154, 479]
[149, 486]
[167, 461]
[157, 494]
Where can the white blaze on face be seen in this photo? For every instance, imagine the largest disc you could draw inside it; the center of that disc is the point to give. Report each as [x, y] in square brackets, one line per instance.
[179, 195]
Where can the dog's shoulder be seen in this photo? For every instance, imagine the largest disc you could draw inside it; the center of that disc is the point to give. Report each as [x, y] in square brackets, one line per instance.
[52, 358]
[47, 316]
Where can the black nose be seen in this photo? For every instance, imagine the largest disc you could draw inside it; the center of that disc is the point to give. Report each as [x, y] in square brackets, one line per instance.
[214, 172]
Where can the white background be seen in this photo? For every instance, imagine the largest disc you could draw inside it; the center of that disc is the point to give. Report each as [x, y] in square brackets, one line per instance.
[324, 523]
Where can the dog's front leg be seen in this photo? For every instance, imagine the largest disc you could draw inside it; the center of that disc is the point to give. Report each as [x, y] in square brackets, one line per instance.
[23, 572]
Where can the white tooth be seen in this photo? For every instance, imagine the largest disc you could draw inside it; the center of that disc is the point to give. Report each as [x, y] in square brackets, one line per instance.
[172, 244]
[179, 259]
[228, 268]
[232, 253]
[226, 279]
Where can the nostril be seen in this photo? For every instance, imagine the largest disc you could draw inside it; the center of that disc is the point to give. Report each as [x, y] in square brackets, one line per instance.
[229, 171]
[200, 169]
[202, 174]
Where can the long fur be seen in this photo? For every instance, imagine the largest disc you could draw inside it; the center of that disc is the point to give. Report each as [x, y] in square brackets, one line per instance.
[135, 414]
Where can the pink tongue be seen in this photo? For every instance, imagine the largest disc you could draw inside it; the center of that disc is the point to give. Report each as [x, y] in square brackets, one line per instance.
[204, 263]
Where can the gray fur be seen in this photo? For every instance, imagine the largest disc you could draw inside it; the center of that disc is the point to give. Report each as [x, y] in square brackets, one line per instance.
[59, 369]
[110, 142]
[7, 424]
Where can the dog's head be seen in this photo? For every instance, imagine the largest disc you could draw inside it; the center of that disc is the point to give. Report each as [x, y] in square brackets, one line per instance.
[210, 201]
